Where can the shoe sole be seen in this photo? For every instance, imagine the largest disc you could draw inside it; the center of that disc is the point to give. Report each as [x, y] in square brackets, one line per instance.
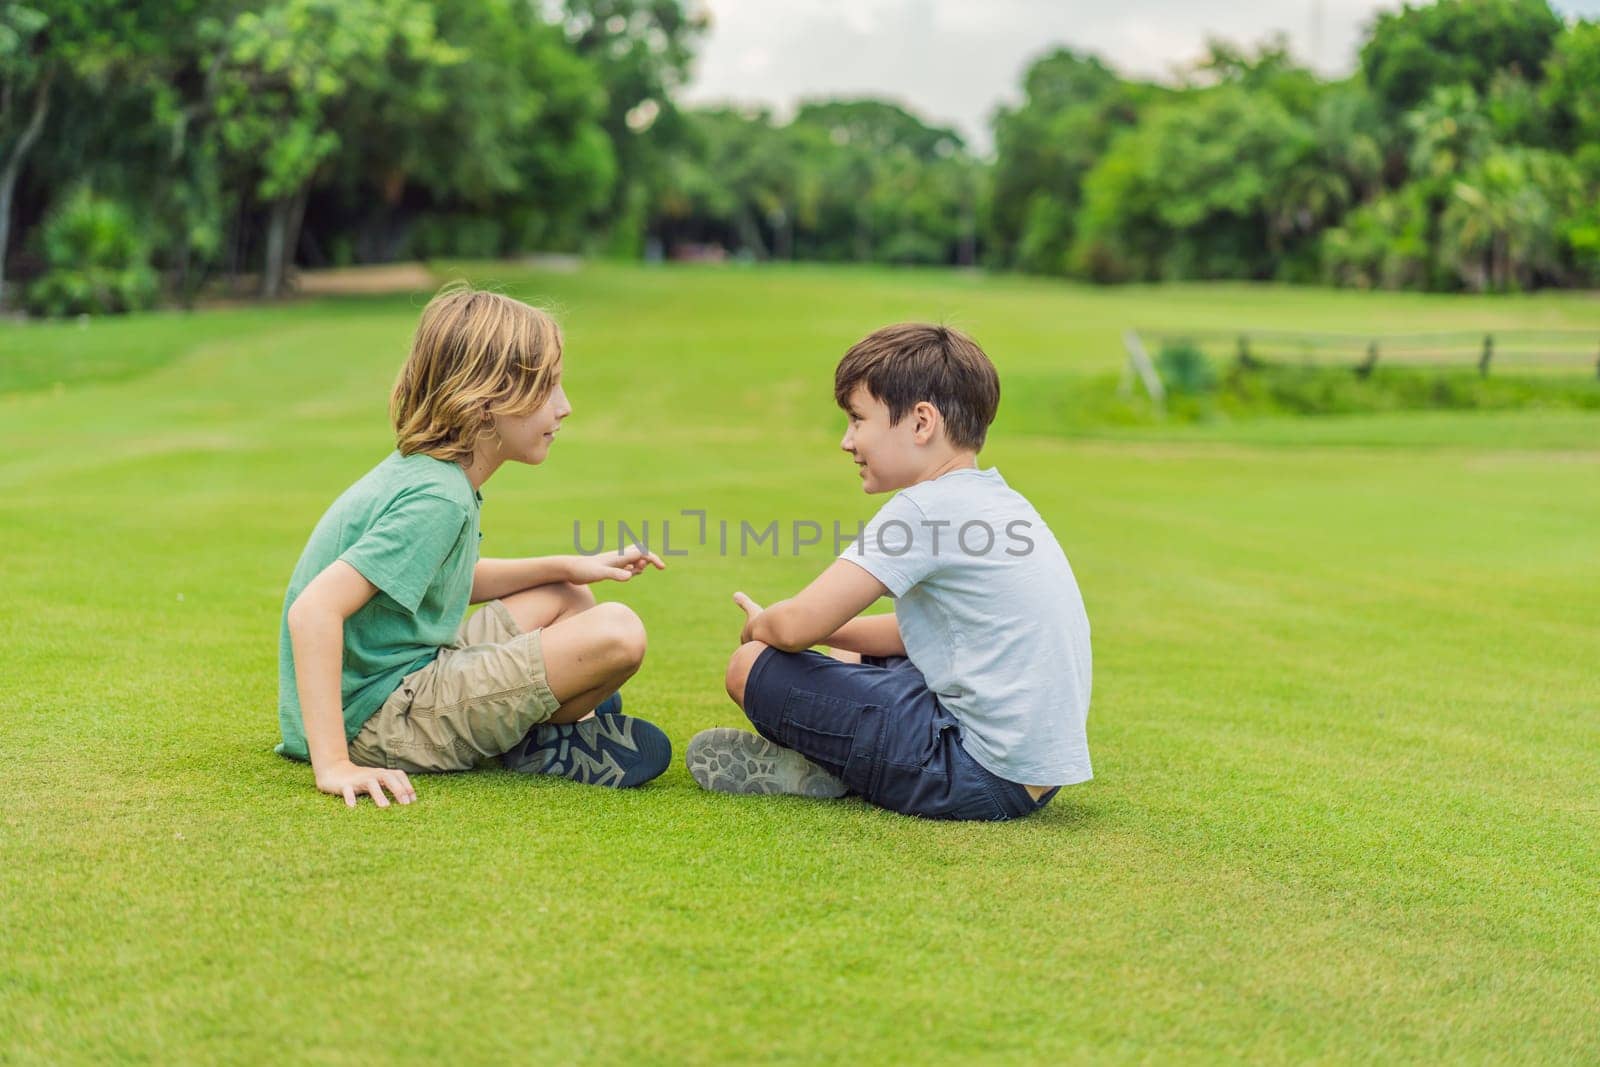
[726, 760]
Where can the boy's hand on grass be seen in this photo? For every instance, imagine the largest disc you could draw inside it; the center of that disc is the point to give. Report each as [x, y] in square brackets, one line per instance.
[350, 781]
[752, 611]
[617, 566]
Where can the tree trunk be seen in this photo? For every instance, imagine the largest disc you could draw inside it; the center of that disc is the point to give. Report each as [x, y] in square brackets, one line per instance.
[967, 245]
[13, 168]
[750, 235]
[283, 231]
[272, 258]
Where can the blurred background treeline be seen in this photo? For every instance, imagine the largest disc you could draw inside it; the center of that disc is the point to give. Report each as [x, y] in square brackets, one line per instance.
[153, 152]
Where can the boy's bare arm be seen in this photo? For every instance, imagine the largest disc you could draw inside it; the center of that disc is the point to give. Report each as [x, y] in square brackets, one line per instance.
[816, 613]
[316, 631]
[496, 578]
[870, 635]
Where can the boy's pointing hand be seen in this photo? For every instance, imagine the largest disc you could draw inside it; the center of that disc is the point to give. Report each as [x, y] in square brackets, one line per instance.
[618, 566]
[752, 611]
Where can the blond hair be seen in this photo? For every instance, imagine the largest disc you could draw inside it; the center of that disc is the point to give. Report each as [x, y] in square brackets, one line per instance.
[474, 351]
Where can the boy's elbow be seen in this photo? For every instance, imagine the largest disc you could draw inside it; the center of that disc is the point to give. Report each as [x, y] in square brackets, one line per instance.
[786, 636]
[296, 616]
[302, 614]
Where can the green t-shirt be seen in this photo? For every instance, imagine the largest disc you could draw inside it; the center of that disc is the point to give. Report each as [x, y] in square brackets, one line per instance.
[410, 526]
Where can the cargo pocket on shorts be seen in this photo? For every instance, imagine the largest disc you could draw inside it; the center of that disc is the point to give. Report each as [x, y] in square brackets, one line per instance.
[863, 769]
[818, 726]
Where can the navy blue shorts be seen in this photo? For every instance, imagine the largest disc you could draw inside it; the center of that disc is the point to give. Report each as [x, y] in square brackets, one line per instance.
[876, 725]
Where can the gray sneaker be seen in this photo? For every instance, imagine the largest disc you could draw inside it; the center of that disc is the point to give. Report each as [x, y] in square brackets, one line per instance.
[726, 760]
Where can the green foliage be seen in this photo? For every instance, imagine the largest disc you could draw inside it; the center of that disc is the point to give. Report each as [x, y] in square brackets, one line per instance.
[1289, 390]
[1190, 192]
[1073, 107]
[1501, 230]
[1413, 51]
[1437, 168]
[640, 52]
[1382, 244]
[847, 180]
[287, 69]
[259, 134]
[1571, 89]
[97, 260]
[1184, 369]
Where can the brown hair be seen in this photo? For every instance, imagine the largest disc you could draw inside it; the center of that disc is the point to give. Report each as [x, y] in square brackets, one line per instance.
[912, 362]
[473, 350]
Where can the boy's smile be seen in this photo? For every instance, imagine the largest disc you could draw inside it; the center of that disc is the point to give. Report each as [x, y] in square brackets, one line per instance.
[865, 438]
[892, 456]
[527, 438]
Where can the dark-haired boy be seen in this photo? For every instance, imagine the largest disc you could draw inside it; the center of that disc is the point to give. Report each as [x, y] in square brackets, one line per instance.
[969, 702]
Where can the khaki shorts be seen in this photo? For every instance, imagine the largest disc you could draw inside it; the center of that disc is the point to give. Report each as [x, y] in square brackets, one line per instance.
[483, 692]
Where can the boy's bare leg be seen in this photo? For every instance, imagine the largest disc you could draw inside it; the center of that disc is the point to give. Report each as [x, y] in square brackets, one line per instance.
[545, 606]
[589, 655]
[536, 608]
[739, 667]
[844, 655]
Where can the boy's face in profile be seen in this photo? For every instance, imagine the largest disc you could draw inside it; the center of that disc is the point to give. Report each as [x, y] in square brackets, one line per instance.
[527, 438]
[888, 456]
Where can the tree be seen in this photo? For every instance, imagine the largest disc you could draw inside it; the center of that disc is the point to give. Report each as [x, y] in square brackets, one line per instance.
[1073, 105]
[1189, 193]
[1501, 229]
[504, 143]
[1415, 50]
[1571, 88]
[1449, 133]
[1269, 69]
[43, 44]
[641, 51]
[1381, 244]
[285, 71]
[897, 188]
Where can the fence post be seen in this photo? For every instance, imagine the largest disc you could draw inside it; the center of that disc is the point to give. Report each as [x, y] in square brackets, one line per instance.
[1488, 354]
[1139, 363]
[1364, 368]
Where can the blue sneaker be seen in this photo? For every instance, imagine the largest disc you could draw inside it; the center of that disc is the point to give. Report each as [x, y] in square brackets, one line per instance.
[611, 705]
[614, 750]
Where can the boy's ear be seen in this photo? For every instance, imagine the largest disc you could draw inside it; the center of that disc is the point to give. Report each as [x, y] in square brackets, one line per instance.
[927, 421]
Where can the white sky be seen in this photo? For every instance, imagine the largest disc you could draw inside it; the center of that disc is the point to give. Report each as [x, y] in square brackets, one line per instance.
[954, 61]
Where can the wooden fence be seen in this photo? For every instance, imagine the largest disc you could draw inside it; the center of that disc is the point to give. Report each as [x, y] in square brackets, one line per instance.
[1506, 351]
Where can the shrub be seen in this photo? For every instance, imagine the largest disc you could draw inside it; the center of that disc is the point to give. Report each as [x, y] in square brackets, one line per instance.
[97, 260]
[1184, 369]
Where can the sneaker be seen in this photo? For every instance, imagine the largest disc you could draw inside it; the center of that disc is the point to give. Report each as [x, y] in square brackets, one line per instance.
[611, 705]
[726, 760]
[614, 750]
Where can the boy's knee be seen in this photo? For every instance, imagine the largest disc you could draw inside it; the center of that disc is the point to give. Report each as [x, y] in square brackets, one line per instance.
[739, 667]
[622, 634]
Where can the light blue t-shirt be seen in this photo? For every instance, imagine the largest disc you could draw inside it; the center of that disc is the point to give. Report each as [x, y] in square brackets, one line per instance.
[991, 615]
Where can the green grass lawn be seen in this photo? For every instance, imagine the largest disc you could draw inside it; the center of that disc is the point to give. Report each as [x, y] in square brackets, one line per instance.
[1346, 722]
